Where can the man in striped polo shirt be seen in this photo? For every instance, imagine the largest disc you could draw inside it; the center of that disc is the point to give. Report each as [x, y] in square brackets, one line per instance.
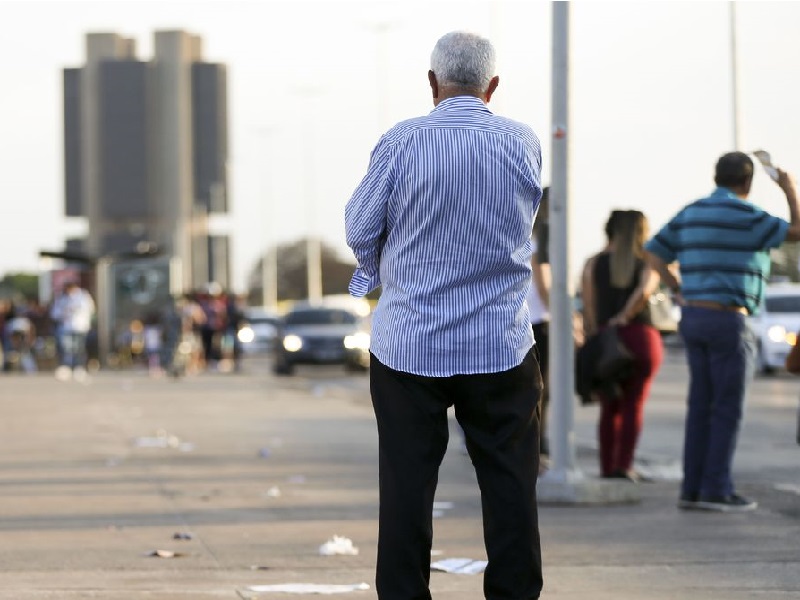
[442, 222]
[721, 244]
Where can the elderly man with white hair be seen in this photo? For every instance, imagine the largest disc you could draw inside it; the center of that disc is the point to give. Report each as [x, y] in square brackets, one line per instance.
[442, 223]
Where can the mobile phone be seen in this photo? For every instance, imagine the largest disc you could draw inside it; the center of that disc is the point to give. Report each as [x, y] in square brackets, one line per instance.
[766, 161]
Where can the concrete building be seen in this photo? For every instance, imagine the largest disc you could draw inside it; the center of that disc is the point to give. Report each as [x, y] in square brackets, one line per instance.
[145, 152]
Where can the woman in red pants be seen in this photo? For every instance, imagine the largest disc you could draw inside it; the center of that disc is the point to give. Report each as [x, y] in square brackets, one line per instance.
[617, 284]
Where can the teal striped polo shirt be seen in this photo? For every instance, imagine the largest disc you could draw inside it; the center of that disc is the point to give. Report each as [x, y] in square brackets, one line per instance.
[722, 244]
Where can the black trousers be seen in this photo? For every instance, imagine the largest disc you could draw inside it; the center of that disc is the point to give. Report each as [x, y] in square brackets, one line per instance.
[541, 333]
[499, 413]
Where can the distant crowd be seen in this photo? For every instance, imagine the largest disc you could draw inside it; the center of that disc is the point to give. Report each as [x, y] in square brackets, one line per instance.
[182, 335]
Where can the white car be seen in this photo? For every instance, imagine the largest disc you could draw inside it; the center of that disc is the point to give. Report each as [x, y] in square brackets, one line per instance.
[258, 333]
[776, 325]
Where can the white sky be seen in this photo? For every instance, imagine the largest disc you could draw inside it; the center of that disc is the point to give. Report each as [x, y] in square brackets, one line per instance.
[650, 108]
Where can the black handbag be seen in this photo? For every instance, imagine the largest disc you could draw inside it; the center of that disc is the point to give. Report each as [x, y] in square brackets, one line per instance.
[615, 362]
[601, 364]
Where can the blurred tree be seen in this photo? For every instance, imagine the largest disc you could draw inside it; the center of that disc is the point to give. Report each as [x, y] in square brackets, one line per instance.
[292, 279]
[786, 262]
[22, 284]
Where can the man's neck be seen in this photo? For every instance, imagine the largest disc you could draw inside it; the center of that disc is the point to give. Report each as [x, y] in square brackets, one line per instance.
[451, 91]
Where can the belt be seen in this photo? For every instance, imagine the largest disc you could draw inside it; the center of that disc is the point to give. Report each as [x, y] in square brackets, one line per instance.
[717, 306]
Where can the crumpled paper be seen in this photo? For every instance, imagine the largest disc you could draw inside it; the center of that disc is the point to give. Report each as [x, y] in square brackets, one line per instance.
[309, 588]
[338, 545]
[461, 566]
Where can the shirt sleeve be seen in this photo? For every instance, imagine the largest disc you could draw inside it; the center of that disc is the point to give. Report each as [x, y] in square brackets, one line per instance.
[365, 220]
[771, 231]
[665, 244]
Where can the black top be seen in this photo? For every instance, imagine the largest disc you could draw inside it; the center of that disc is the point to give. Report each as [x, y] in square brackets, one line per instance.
[609, 300]
[542, 234]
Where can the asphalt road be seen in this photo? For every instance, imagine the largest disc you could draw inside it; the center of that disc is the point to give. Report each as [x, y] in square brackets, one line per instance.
[259, 472]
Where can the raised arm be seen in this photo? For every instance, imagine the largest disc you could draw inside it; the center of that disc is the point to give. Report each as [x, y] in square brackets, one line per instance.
[787, 184]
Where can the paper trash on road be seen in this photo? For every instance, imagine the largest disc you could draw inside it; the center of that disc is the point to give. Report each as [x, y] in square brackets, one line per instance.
[461, 566]
[273, 492]
[439, 509]
[338, 545]
[165, 554]
[162, 439]
[309, 588]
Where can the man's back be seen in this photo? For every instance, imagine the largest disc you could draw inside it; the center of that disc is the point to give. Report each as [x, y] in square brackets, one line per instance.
[722, 244]
[455, 265]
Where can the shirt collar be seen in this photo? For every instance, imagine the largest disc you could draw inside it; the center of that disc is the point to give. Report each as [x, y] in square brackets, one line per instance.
[460, 103]
[723, 192]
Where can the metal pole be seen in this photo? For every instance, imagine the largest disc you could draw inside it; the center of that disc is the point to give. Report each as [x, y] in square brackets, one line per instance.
[269, 260]
[735, 87]
[105, 301]
[561, 340]
[313, 251]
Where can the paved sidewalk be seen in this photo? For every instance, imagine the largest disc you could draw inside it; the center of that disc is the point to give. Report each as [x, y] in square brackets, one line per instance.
[260, 472]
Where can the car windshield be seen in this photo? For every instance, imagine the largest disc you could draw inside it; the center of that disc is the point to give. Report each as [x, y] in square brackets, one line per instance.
[261, 320]
[783, 304]
[320, 317]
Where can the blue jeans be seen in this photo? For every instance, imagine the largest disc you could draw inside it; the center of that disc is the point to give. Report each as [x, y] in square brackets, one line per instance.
[721, 352]
[73, 349]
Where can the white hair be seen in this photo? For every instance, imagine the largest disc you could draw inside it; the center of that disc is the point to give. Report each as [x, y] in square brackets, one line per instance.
[463, 59]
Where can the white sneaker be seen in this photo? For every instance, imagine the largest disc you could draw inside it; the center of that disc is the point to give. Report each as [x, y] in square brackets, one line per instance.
[80, 375]
[63, 373]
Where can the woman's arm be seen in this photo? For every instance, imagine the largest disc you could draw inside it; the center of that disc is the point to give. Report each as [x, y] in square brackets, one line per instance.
[588, 295]
[541, 279]
[648, 282]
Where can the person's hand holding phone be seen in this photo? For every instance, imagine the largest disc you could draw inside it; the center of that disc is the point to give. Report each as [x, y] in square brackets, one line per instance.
[766, 161]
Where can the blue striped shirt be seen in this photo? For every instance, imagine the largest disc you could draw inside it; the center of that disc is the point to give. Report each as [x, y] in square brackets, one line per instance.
[442, 221]
[722, 244]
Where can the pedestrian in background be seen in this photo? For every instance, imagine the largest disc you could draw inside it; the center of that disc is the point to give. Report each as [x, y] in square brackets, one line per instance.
[19, 336]
[73, 311]
[617, 285]
[442, 221]
[721, 244]
[539, 307]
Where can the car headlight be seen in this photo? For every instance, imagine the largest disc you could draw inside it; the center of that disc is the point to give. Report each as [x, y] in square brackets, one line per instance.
[777, 334]
[246, 335]
[357, 341]
[292, 343]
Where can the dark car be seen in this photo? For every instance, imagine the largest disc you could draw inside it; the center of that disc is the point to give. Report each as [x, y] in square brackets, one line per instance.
[320, 335]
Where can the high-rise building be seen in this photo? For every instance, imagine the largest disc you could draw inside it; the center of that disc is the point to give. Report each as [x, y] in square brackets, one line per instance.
[145, 152]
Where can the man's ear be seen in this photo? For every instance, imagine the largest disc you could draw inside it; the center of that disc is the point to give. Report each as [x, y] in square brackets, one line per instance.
[493, 83]
[747, 185]
[434, 84]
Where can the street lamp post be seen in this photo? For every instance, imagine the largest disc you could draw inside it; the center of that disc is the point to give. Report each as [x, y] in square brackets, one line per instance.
[561, 371]
[269, 259]
[313, 245]
[735, 82]
[564, 483]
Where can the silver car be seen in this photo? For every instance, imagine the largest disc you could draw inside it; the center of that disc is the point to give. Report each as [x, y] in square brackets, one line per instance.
[322, 335]
[776, 325]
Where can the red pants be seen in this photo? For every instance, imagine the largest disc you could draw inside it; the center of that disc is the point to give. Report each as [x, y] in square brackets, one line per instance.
[621, 418]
